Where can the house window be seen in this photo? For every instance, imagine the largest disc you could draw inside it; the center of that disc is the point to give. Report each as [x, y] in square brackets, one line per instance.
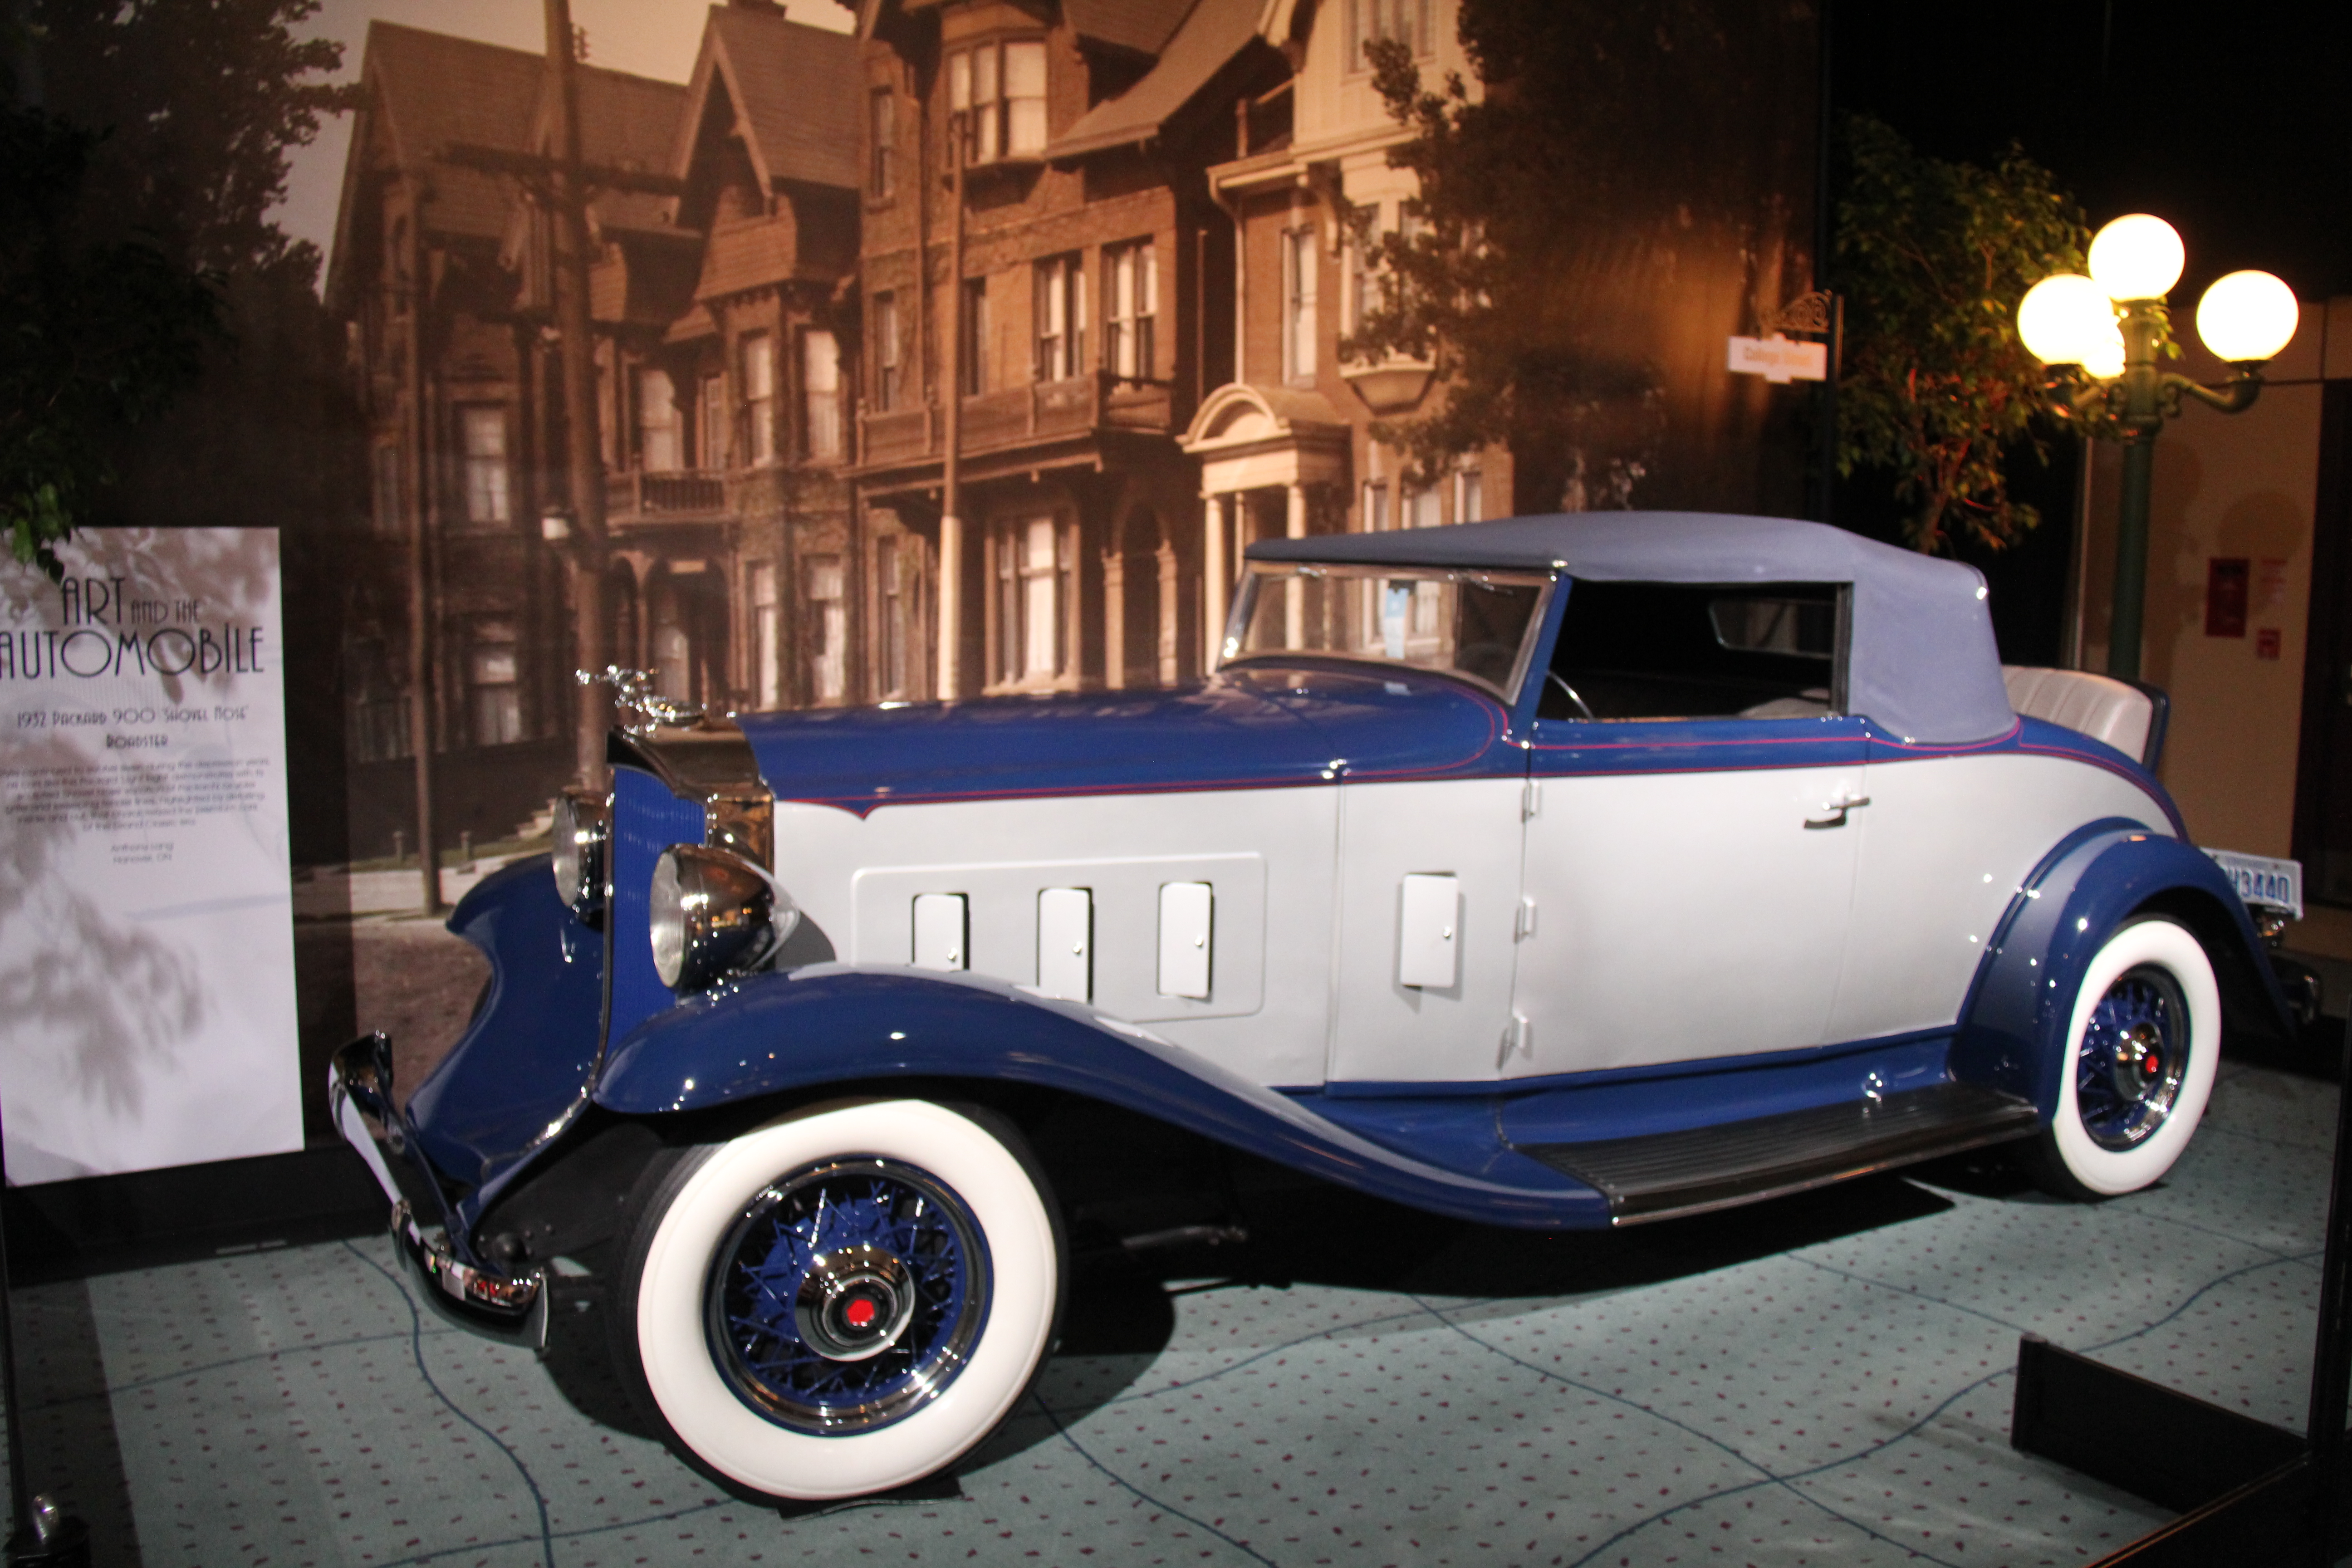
[1376, 507]
[1298, 305]
[672, 644]
[758, 355]
[897, 622]
[660, 449]
[886, 351]
[494, 696]
[821, 395]
[379, 728]
[1033, 572]
[1469, 496]
[1061, 317]
[1130, 307]
[1363, 278]
[1420, 509]
[767, 638]
[975, 332]
[387, 489]
[712, 418]
[882, 140]
[1407, 21]
[997, 90]
[828, 629]
[484, 431]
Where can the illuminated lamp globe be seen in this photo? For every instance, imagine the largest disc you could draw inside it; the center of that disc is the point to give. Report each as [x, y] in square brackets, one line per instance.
[2137, 257]
[2246, 317]
[2064, 318]
[2103, 356]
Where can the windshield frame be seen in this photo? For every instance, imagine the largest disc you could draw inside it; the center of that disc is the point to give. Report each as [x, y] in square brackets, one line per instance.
[1257, 574]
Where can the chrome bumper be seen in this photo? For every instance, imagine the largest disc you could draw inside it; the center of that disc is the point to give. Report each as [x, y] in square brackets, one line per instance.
[511, 1310]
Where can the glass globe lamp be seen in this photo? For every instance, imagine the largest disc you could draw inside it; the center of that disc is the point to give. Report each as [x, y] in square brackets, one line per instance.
[2246, 318]
[2138, 257]
[2065, 320]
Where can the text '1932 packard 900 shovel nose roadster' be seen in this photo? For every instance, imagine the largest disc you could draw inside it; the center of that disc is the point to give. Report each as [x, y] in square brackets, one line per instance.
[1548, 872]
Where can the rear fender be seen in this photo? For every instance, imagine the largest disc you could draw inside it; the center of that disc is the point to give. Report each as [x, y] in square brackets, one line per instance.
[2015, 1026]
[776, 1034]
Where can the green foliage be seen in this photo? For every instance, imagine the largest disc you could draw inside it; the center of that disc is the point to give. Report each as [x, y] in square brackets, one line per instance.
[1616, 182]
[99, 334]
[1932, 258]
[132, 195]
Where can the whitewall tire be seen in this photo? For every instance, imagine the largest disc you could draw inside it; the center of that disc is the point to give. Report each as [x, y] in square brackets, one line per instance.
[2142, 1046]
[846, 1299]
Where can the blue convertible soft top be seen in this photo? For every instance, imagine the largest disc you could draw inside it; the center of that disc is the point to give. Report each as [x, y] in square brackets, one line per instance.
[1921, 663]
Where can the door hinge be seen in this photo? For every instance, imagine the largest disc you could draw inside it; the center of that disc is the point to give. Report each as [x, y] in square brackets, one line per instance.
[1518, 1039]
[1531, 800]
[1523, 923]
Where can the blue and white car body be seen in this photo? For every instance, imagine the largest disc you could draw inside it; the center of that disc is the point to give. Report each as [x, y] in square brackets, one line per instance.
[1472, 879]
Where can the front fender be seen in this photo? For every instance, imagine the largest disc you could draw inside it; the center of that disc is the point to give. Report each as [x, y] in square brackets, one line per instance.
[2013, 1030]
[825, 1024]
[519, 1075]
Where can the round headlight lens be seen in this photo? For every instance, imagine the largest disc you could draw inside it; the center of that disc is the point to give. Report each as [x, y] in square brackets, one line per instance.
[580, 832]
[714, 914]
[668, 926]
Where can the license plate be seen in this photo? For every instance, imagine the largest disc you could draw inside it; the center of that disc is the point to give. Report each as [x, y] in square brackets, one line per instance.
[2262, 880]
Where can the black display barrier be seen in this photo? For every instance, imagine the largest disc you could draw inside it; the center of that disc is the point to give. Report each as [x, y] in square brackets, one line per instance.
[102, 1225]
[2251, 1492]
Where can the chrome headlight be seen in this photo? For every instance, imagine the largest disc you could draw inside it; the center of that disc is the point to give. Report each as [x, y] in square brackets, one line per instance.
[714, 914]
[583, 823]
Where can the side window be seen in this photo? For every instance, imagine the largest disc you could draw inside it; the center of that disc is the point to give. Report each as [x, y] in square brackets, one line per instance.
[1676, 650]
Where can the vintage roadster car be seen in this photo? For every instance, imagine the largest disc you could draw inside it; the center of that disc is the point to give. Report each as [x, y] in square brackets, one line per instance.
[1557, 871]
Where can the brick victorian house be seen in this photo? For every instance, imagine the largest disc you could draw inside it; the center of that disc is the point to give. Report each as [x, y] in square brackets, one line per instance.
[1047, 292]
[961, 353]
[452, 587]
[1286, 447]
[723, 232]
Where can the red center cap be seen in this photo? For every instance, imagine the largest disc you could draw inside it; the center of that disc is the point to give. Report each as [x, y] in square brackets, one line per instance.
[859, 1313]
[2154, 1063]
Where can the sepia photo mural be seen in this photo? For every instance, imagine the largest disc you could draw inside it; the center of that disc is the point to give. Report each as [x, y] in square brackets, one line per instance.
[824, 355]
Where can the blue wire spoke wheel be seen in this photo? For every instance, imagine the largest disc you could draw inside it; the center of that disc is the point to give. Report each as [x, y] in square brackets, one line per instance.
[2134, 1060]
[2143, 1038]
[849, 1294]
[843, 1300]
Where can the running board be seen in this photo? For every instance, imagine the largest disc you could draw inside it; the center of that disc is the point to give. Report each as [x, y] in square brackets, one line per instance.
[1669, 1173]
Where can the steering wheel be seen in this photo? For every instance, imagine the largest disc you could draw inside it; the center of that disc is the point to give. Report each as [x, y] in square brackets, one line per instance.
[1583, 709]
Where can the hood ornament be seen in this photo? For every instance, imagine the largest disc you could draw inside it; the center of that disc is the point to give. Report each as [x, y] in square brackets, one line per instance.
[643, 709]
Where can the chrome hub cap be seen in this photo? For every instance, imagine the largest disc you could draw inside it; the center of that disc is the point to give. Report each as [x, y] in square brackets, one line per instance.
[853, 1303]
[847, 1296]
[2135, 1054]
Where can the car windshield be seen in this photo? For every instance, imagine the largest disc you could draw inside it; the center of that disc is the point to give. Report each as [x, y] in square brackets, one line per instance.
[1478, 626]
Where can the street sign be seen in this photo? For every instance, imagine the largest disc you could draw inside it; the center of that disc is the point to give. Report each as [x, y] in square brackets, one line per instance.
[1780, 358]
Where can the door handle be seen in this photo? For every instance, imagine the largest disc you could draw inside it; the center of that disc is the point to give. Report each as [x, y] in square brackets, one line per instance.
[1837, 810]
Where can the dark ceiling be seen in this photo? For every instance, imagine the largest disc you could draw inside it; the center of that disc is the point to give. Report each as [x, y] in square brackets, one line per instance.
[2232, 119]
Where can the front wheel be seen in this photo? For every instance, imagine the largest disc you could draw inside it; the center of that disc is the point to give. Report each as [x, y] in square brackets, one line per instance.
[2142, 1047]
[846, 1299]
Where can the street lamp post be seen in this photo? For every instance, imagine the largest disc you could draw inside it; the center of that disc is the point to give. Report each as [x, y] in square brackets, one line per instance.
[2101, 335]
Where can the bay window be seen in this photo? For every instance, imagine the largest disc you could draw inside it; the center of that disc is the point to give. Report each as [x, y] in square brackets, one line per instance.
[996, 90]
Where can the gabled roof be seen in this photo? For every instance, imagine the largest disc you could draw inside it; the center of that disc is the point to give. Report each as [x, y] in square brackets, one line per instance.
[1142, 25]
[1211, 34]
[627, 122]
[427, 90]
[796, 92]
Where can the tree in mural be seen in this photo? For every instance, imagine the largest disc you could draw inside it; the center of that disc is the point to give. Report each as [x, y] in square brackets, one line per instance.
[1932, 258]
[1616, 178]
[144, 147]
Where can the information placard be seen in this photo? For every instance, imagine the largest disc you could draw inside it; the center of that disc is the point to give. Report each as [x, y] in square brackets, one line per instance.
[147, 1013]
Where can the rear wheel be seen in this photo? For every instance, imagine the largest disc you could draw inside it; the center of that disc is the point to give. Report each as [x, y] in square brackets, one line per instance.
[2143, 1041]
[847, 1300]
